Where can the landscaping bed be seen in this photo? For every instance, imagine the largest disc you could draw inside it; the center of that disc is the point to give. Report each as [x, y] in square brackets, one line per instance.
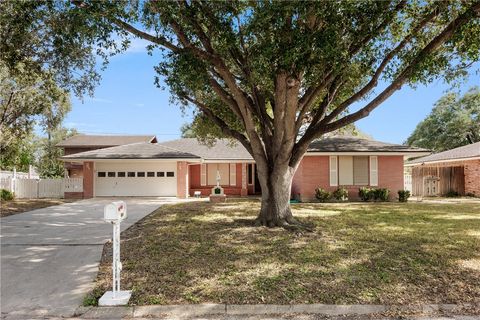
[359, 253]
[15, 206]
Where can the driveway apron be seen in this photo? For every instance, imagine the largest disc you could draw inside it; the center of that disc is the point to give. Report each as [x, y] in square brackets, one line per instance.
[50, 256]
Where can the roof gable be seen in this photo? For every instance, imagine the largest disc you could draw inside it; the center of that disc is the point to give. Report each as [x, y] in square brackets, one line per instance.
[84, 140]
[142, 150]
[460, 153]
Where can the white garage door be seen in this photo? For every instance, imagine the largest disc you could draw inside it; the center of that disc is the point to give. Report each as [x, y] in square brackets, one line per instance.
[138, 179]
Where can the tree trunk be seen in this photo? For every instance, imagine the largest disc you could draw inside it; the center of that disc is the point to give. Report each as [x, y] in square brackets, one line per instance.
[276, 188]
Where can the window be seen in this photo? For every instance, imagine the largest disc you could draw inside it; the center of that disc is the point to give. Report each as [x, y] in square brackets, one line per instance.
[353, 170]
[170, 174]
[140, 174]
[250, 173]
[121, 174]
[150, 174]
[131, 174]
[101, 175]
[223, 170]
[111, 174]
[160, 174]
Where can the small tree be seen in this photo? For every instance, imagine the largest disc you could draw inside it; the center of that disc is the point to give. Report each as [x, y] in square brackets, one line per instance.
[258, 71]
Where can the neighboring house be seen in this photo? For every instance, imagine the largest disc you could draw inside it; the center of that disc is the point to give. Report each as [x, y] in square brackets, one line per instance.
[451, 171]
[181, 167]
[81, 143]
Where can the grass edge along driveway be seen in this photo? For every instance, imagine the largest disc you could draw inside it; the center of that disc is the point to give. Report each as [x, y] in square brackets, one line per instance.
[359, 253]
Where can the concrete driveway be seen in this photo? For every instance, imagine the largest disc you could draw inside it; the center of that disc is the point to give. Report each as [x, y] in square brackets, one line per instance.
[50, 256]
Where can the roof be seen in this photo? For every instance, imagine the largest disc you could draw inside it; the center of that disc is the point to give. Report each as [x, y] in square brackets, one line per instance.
[225, 149]
[142, 150]
[356, 144]
[83, 140]
[460, 153]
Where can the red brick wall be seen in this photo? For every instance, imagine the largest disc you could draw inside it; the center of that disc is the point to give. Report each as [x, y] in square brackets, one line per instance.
[313, 172]
[182, 179]
[88, 179]
[472, 177]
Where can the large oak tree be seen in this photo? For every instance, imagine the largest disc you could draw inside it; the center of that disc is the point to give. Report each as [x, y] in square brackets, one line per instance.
[275, 75]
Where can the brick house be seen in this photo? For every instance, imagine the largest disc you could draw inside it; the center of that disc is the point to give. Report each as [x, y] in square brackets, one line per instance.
[455, 171]
[181, 167]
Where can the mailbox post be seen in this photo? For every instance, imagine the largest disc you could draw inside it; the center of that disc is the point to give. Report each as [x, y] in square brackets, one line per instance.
[115, 213]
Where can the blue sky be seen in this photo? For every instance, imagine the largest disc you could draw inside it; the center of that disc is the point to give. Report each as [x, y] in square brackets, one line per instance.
[128, 102]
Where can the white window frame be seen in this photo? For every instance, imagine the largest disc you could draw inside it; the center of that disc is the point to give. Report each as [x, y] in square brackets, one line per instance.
[333, 169]
[233, 174]
[203, 174]
[373, 170]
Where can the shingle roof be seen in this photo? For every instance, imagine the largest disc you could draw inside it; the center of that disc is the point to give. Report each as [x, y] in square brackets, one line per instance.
[143, 150]
[460, 153]
[356, 144]
[223, 149]
[83, 140]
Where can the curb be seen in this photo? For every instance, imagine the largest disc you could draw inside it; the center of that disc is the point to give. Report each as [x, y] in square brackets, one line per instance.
[194, 310]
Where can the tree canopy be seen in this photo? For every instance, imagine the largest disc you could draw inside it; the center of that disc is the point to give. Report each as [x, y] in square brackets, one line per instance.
[453, 122]
[258, 72]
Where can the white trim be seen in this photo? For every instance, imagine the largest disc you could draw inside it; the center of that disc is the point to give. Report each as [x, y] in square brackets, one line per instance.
[130, 160]
[440, 161]
[203, 174]
[373, 176]
[368, 153]
[333, 170]
[233, 174]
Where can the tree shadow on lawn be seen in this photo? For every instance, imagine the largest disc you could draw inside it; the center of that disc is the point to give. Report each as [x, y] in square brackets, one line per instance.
[391, 254]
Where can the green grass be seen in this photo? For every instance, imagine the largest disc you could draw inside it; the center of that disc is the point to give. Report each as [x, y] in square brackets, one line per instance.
[369, 253]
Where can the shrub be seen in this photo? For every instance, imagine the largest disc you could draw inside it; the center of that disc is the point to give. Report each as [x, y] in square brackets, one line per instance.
[403, 195]
[470, 194]
[452, 194]
[381, 194]
[365, 193]
[341, 194]
[322, 195]
[6, 195]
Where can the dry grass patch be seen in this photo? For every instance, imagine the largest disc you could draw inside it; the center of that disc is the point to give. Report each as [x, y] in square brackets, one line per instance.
[15, 206]
[359, 253]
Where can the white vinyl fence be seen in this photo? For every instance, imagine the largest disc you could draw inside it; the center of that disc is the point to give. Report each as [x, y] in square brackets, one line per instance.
[407, 182]
[42, 188]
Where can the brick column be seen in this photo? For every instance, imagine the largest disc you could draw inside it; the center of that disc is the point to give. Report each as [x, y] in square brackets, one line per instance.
[88, 179]
[182, 179]
[472, 177]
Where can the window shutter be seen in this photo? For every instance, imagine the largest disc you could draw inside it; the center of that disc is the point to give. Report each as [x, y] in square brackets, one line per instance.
[373, 171]
[203, 174]
[233, 174]
[333, 171]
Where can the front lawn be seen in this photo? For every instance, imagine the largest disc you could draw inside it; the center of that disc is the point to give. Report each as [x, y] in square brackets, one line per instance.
[370, 253]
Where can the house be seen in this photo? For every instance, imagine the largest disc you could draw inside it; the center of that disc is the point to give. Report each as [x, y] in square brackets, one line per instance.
[183, 166]
[81, 143]
[454, 171]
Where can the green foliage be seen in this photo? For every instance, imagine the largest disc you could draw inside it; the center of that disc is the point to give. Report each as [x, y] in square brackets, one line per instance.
[322, 195]
[48, 163]
[403, 195]
[453, 122]
[380, 194]
[6, 195]
[18, 153]
[452, 194]
[366, 193]
[340, 194]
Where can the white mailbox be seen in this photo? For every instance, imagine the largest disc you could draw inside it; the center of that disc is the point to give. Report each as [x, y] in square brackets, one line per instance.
[115, 212]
